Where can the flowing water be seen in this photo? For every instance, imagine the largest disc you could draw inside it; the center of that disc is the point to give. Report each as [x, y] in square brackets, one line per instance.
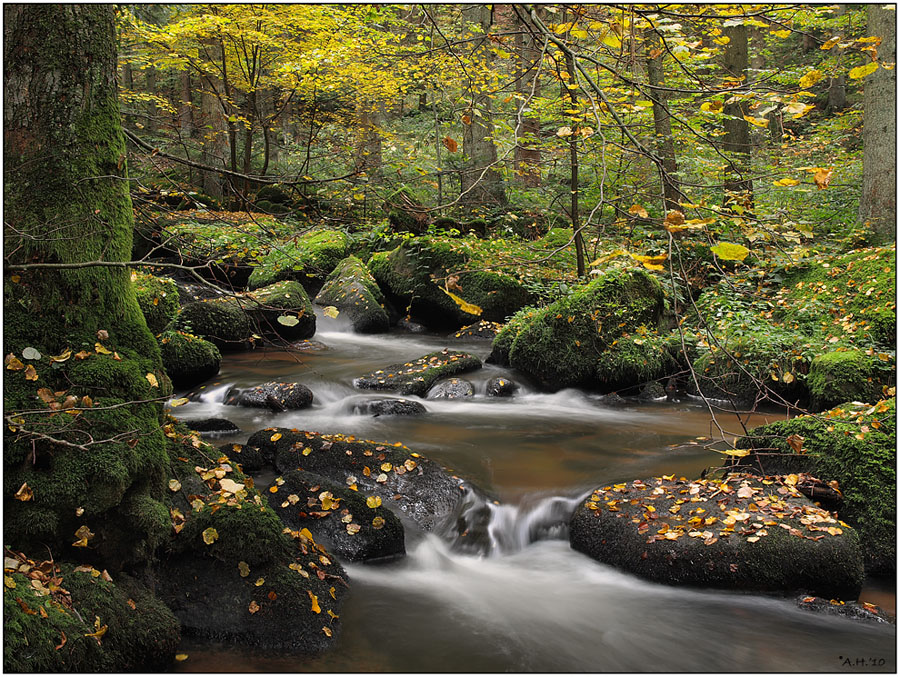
[522, 600]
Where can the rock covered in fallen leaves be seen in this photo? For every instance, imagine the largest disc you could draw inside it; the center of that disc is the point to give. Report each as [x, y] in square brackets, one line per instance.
[500, 386]
[353, 526]
[863, 611]
[273, 395]
[451, 389]
[418, 487]
[481, 329]
[212, 426]
[391, 407]
[741, 532]
[417, 376]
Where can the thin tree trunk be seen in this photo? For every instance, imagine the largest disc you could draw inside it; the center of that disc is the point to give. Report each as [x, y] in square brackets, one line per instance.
[736, 143]
[214, 136]
[878, 202]
[151, 107]
[528, 153]
[662, 124]
[186, 112]
[128, 77]
[837, 89]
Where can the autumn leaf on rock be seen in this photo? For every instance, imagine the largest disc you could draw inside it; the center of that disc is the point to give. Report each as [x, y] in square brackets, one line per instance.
[24, 493]
[373, 501]
[253, 608]
[314, 600]
[210, 535]
[151, 379]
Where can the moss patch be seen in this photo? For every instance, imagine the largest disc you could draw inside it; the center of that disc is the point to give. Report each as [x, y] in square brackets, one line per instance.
[158, 299]
[224, 322]
[848, 375]
[308, 259]
[286, 300]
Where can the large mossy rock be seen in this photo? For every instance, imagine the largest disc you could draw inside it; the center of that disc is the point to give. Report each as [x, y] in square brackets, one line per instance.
[188, 360]
[417, 376]
[283, 310]
[353, 526]
[848, 375]
[576, 340]
[354, 292]
[232, 571]
[404, 480]
[739, 533]
[158, 299]
[418, 274]
[49, 629]
[224, 322]
[307, 259]
[854, 445]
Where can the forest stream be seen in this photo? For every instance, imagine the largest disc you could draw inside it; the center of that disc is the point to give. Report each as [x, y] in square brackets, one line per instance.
[523, 600]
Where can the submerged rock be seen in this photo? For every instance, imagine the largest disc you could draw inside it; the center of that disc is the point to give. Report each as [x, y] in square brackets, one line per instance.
[417, 376]
[451, 389]
[251, 459]
[353, 526]
[742, 533]
[833, 607]
[390, 408]
[418, 487]
[273, 395]
[501, 387]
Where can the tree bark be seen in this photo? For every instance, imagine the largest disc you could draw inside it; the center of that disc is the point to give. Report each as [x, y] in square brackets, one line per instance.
[480, 182]
[662, 125]
[369, 118]
[528, 153]
[573, 173]
[736, 143]
[150, 77]
[185, 109]
[837, 89]
[214, 136]
[878, 202]
[67, 201]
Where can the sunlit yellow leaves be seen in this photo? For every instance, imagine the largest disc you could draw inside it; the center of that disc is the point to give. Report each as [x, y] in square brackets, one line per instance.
[331, 311]
[373, 501]
[711, 106]
[275, 437]
[210, 535]
[822, 178]
[230, 486]
[831, 42]
[729, 251]
[811, 78]
[637, 210]
[328, 501]
[314, 602]
[757, 122]
[785, 182]
[722, 40]
[464, 305]
[151, 379]
[180, 657]
[378, 522]
[737, 453]
[862, 71]
[651, 262]
[797, 109]
[781, 34]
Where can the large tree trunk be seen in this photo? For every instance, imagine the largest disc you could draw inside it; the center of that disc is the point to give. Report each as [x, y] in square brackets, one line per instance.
[662, 125]
[736, 143]
[214, 137]
[528, 152]
[480, 182]
[67, 202]
[878, 202]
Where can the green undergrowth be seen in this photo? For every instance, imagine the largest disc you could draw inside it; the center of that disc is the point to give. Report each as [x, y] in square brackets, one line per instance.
[313, 254]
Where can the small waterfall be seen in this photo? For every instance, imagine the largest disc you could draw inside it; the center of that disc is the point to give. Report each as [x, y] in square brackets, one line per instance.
[212, 395]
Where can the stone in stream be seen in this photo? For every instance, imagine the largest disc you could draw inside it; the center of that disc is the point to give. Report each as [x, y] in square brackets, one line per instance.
[739, 533]
[352, 525]
[273, 395]
[390, 408]
[417, 376]
[452, 389]
[832, 607]
[211, 426]
[418, 487]
[251, 459]
[501, 387]
[353, 291]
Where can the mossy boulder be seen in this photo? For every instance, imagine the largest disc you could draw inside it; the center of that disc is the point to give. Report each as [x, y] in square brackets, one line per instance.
[354, 292]
[225, 322]
[353, 526]
[500, 387]
[158, 299]
[738, 533]
[232, 571]
[417, 376]
[418, 275]
[283, 310]
[273, 193]
[854, 445]
[188, 360]
[404, 480]
[307, 259]
[508, 333]
[274, 395]
[574, 341]
[848, 375]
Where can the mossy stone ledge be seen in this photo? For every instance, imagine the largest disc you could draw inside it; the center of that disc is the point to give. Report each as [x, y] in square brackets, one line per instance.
[848, 375]
[224, 322]
[188, 360]
[282, 310]
[417, 376]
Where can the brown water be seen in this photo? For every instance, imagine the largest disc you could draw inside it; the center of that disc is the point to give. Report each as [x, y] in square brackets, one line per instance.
[526, 601]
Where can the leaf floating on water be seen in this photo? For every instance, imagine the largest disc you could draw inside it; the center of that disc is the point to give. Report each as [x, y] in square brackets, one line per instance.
[210, 535]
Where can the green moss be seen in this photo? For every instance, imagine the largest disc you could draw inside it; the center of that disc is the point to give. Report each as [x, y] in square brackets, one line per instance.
[287, 298]
[509, 332]
[855, 446]
[353, 291]
[634, 359]
[223, 322]
[188, 360]
[273, 193]
[560, 346]
[158, 299]
[844, 376]
[311, 255]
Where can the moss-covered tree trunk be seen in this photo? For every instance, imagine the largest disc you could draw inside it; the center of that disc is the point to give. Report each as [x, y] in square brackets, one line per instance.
[87, 455]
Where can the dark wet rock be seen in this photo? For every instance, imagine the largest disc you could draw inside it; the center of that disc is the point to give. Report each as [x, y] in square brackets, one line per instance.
[390, 408]
[652, 391]
[308, 346]
[854, 610]
[273, 395]
[482, 329]
[412, 327]
[762, 537]
[251, 459]
[451, 389]
[501, 387]
[612, 400]
[420, 488]
[211, 425]
[353, 291]
[224, 322]
[417, 376]
[338, 517]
